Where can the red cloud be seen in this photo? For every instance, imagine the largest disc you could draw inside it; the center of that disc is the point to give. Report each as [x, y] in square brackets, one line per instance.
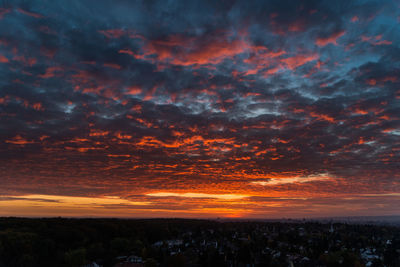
[31, 14]
[298, 60]
[133, 90]
[375, 40]
[207, 53]
[186, 51]
[323, 41]
[263, 58]
[3, 100]
[354, 19]
[51, 72]
[21, 58]
[112, 65]
[3, 11]
[213, 52]
[3, 59]
[375, 81]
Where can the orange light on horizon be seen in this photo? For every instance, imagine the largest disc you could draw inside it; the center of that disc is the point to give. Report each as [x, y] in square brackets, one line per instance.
[198, 195]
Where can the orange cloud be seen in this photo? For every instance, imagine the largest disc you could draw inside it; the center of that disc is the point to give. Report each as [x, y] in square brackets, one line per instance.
[19, 140]
[98, 133]
[38, 106]
[324, 117]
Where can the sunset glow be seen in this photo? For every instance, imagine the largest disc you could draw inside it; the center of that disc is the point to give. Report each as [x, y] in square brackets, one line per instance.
[197, 195]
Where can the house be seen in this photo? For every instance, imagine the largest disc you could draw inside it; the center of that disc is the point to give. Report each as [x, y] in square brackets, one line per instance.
[368, 254]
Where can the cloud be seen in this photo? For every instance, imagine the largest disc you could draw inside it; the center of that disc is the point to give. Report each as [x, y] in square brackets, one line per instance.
[294, 180]
[332, 39]
[115, 98]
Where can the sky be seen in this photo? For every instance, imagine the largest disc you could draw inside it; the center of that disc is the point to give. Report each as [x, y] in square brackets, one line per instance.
[199, 109]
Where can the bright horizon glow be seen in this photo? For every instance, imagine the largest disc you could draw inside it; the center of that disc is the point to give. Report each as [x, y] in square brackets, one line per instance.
[55, 200]
[198, 195]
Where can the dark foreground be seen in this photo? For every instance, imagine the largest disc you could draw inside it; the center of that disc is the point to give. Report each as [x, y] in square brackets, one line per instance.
[177, 242]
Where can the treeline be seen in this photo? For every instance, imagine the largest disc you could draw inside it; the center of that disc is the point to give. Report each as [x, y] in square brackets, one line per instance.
[75, 242]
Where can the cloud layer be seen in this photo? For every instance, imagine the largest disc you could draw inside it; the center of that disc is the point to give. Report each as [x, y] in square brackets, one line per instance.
[180, 104]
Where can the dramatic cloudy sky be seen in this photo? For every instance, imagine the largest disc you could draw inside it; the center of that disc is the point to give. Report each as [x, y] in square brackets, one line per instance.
[254, 109]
